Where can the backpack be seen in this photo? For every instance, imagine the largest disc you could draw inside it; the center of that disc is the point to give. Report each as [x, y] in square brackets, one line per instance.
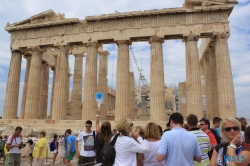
[52, 146]
[217, 137]
[108, 152]
[2, 144]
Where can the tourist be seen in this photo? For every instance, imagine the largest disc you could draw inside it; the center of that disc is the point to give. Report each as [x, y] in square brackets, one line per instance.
[2, 143]
[114, 131]
[160, 129]
[63, 142]
[243, 121]
[6, 153]
[103, 135]
[55, 152]
[126, 147]
[229, 129]
[71, 150]
[168, 128]
[215, 127]
[205, 127]
[244, 155]
[202, 138]
[40, 150]
[30, 151]
[178, 147]
[141, 131]
[15, 144]
[185, 126]
[87, 152]
[152, 139]
[241, 132]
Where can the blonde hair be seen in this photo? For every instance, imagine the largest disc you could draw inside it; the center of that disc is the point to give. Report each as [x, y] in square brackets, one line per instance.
[123, 126]
[152, 131]
[141, 131]
[223, 122]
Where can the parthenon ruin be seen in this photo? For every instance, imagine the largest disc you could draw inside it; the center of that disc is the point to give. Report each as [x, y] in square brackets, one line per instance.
[47, 39]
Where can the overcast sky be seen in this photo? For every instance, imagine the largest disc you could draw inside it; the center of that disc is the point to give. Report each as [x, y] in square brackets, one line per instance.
[174, 50]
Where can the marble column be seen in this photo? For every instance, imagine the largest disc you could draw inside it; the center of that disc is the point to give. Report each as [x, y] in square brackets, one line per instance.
[157, 88]
[209, 111]
[132, 94]
[33, 87]
[76, 96]
[90, 83]
[226, 96]
[12, 89]
[28, 58]
[60, 97]
[122, 81]
[44, 91]
[193, 82]
[103, 82]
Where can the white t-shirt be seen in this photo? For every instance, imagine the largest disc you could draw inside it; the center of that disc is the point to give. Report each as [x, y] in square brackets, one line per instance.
[87, 149]
[16, 140]
[150, 157]
[126, 149]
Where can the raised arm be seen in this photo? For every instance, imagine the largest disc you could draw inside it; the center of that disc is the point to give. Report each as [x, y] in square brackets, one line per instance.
[97, 126]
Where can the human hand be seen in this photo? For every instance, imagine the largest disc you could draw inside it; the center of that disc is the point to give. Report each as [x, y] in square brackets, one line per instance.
[16, 146]
[77, 154]
[68, 154]
[236, 141]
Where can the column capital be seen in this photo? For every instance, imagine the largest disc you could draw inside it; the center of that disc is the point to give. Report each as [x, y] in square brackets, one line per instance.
[92, 44]
[36, 48]
[127, 42]
[191, 37]
[104, 52]
[27, 56]
[221, 35]
[155, 39]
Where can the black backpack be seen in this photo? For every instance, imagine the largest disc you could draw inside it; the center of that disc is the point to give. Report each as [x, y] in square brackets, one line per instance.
[217, 137]
[108, 153]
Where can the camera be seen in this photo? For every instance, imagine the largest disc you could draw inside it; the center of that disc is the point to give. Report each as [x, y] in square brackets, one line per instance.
[22, 145]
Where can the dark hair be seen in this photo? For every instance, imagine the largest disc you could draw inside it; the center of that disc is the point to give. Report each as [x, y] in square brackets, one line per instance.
[247, 134]
[19, 128]
[192, 120]
[216, 120]
[43, 133]
[160, 129]
[89, 122]
[1, 137]
[30, 142]
[105, 132]
[55, 136]
[241, 119]
[177, 118]
[206, 121]
[68, 131]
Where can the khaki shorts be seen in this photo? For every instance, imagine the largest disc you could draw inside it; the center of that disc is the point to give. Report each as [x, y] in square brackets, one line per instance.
[38, 162]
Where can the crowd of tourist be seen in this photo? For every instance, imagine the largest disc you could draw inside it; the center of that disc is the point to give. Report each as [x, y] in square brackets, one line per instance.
[197, 143]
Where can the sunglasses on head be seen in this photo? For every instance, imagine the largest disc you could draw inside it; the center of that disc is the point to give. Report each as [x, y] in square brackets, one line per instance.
[228, 129]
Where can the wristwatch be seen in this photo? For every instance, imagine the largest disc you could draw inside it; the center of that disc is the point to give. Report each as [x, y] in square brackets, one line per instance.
[233, 146]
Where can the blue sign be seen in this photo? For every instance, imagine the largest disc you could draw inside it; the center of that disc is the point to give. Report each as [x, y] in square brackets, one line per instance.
[99, 97]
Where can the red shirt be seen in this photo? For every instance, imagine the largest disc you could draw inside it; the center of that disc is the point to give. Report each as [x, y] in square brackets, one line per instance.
[211, 137]
[246, 147]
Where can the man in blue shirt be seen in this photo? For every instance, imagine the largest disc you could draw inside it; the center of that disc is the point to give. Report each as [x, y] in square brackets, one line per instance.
[178, 147]
[71, 150]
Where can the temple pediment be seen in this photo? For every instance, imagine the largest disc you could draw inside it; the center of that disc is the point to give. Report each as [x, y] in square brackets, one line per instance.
[46, 18]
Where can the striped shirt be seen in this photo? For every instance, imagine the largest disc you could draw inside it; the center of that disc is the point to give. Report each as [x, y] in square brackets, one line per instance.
[205, 146]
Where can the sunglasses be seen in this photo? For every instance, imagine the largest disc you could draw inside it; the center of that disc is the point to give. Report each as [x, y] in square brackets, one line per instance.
[228, 129]
[88, 126]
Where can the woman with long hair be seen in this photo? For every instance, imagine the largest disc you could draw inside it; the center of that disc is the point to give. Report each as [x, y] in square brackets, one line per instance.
[55, 140]
[103, 135]
[152, 139]
[30, 151]
[229, 129]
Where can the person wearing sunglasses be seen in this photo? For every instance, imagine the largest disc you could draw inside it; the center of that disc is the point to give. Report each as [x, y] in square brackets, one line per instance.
[229, 129]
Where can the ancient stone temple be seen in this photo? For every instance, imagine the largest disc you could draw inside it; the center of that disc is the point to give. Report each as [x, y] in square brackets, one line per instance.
[47, 39]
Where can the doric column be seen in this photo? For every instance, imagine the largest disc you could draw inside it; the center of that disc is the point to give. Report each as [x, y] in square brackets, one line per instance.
[122, 81]
[60, 97]
[44, 91]
[12, 89]
[193, 82]
[209, 111]
[132, 94]
[33, 87]
[90, 83]
[76, 95]
[103, 81]
[28, 58]
[182, 99]
[226, 97]
[157, 88]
